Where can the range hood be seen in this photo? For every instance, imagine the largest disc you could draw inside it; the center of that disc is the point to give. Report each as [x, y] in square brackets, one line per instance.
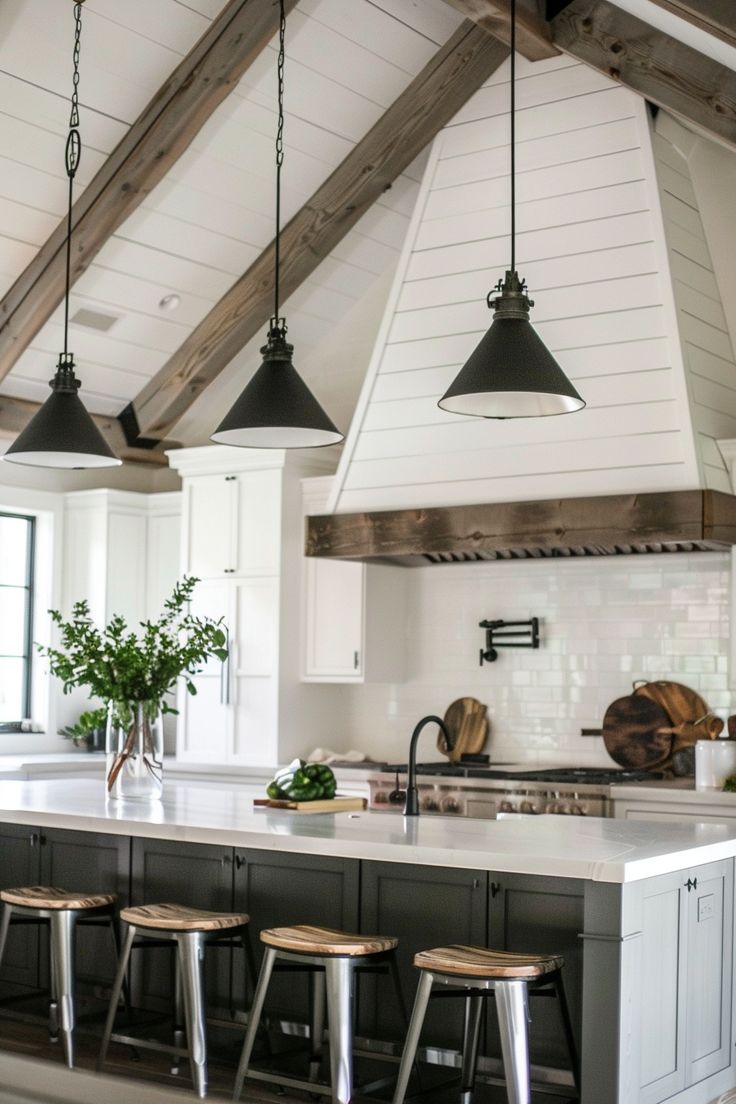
[607, 525]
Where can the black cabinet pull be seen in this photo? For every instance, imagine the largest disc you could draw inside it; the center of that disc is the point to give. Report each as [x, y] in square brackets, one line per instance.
[33, 839]
[495, 889]
[239, 862]
[225, 860]
[691, 883]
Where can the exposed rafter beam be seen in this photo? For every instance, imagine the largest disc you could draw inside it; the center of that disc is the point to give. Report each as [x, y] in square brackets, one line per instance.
[455, 72]
[662, 69]
[533, 36]
[717, 17]
[155, 141]
[16, 413]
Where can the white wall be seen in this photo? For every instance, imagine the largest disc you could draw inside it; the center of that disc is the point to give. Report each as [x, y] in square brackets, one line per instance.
[605, 622]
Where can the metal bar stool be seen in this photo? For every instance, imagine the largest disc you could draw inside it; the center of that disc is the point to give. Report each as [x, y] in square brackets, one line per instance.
[191, 930]
[509, 977]
[63, 910]
[336, 956]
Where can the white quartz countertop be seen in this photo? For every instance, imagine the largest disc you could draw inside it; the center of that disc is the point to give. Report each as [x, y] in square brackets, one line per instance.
[590, 848]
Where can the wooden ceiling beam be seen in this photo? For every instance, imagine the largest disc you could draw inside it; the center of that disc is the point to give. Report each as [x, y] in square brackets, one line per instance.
[15, 414]
[533, 35]
[717, 17]
[160, 135]
[661, 69]
[455, 72]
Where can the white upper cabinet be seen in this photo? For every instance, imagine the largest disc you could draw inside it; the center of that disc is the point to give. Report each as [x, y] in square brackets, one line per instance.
[353, 615]
[233, 524]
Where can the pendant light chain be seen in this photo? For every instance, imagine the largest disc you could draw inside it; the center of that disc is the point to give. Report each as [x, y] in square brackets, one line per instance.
[279, 163]
[513, 135]
[73, 153]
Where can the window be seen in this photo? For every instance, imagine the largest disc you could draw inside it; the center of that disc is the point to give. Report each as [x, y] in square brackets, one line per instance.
[16, 619]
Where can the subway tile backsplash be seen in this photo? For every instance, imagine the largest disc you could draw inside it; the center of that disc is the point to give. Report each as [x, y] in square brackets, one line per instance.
[604, 623]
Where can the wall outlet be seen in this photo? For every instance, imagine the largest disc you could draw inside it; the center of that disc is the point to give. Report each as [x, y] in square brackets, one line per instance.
[705, 907]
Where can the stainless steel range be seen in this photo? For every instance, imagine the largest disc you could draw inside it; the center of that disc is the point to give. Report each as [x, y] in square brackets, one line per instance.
[478, 791]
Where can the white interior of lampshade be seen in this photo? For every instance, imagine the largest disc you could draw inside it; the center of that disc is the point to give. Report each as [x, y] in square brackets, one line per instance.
[511, 404]
[62, 459]
[276, 437]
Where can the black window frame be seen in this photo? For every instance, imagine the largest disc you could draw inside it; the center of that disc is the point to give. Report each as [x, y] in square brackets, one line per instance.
[16, 726]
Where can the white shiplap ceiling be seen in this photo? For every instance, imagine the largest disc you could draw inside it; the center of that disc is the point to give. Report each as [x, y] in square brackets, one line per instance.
[347, 60]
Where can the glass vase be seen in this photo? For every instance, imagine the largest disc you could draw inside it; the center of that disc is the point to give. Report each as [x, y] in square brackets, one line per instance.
[134, 745]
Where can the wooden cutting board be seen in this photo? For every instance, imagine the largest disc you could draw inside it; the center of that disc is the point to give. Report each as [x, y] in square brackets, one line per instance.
[689, 715]
[637, 733]
[467, 720]
[328, 805]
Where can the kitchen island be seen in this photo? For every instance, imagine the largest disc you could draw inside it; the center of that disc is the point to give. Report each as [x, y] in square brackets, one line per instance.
[642, 912]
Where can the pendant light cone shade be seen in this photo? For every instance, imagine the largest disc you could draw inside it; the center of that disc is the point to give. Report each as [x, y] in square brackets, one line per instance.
[277, 409]
[62, 434]
[511, 373]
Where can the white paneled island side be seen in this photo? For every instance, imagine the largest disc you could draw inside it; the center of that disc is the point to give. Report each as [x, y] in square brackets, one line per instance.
[641, 912]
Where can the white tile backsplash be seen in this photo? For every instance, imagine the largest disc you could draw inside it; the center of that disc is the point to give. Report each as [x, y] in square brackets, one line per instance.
[603, 623]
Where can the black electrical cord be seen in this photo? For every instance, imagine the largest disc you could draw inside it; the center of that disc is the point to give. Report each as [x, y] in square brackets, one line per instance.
[279, 162]
[513, 135]
[72, 155]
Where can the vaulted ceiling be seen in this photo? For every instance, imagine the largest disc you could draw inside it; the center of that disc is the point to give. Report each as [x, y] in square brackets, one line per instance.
[186, 207]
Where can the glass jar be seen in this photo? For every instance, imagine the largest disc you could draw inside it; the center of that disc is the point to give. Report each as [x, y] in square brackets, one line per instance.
[134, 744]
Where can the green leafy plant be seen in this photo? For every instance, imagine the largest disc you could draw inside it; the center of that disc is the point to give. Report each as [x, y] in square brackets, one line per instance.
[88, 722]
[124, 667]
[129, 669]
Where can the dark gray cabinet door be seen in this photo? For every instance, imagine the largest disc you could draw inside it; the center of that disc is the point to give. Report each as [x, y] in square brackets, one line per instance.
[424, 907]
[20, 866]
[709, 951]
[540, 915]
[199, 875]
[87, 862]
[278, 889]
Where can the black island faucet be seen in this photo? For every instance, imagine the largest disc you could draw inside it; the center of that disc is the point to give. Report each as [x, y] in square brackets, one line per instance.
[411, 805]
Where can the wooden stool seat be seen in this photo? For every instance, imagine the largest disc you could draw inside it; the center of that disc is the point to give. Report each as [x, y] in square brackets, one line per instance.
[181, 918]
[51, 897]
[478, 962]
[310, 940]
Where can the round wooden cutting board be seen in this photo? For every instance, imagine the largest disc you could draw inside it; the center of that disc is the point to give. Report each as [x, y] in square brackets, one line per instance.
[467, 721]
[637, 733]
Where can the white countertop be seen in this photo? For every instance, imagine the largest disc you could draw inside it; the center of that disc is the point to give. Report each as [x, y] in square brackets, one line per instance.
[590, 848]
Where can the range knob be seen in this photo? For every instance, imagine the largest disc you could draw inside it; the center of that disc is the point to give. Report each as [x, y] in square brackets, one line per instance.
[527, 807]
[451, 806]
[506, 807]
[429, 804]
[381, 798]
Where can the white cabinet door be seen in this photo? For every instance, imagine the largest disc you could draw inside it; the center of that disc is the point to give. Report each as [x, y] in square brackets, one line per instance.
[333, 620]
[210, 525]
[255, 666]
[258, 522]
[204, 731]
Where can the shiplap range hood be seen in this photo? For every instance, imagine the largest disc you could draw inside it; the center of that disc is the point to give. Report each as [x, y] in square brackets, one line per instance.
[612, 240]
[608, 525]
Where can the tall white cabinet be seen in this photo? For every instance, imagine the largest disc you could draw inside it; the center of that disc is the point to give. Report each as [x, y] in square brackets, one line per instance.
[242, 536]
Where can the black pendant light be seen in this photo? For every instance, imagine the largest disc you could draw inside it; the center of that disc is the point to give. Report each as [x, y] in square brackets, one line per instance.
[62, 434]
[277, 409]
[511, 374]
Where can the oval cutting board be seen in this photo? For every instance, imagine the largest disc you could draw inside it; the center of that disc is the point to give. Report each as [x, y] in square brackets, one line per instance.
[467, 720]
[637, 733]
[688, 712]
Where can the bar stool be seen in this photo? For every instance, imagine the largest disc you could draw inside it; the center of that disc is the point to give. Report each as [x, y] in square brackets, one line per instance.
[510, 977]
[191, 930]
[63, 910]
[337, 956]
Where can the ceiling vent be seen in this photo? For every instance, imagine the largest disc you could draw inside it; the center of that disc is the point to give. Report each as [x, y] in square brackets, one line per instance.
[94, 320]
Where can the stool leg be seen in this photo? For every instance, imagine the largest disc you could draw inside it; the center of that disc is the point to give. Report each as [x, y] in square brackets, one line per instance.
[316, 1021]
[4, 925]
[254, 1018]
[179, 1018]
[63, 926]
[115, 933]
[115, 995]
[471, 1039]
[513, 1016]
[53, 1001]
[191, 967]
[412, 1036]
[567, 1027]
[339, 984]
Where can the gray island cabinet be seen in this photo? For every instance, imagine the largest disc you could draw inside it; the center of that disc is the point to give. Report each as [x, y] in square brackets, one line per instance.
[643, 914]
